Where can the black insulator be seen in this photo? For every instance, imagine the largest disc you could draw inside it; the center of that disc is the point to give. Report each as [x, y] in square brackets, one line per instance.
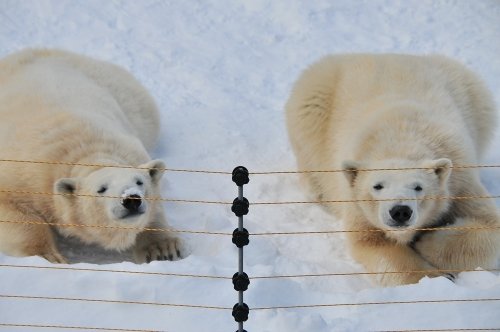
[240, 281]
[240, 206]
[240, 238]
[240, 312]
[240, 176]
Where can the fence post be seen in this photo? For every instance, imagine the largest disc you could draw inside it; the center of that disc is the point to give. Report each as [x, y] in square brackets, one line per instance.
[240, 239]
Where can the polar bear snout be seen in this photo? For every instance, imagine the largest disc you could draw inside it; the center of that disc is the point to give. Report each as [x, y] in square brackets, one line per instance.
[132, 203]
[401, 214]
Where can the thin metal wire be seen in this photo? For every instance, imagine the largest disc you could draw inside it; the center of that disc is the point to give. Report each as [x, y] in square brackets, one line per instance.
[458, 167]
[111, 166]
[367, 273]
[380, 200]
[163, 274]
[75, 327]
[29, 297]
[128, 330]
[226, 172]
[113, 227]
[374, 303]
[23, 192]
[253, 234]
[442, 330]
[429, 229]
[253, 277]
[255, 203]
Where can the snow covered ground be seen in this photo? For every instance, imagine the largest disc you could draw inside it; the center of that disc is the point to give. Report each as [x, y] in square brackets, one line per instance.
[221, 72]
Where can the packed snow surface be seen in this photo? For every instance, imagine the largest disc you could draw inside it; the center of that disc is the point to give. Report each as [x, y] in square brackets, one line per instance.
[221, 72]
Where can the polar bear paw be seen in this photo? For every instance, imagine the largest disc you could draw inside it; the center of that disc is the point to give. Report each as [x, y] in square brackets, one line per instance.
[160, 247]
[55, 258]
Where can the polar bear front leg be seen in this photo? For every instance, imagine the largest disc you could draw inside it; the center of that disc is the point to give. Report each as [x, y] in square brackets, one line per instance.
[392, 264]
[26, 235]
[476, 244]
[159, 244]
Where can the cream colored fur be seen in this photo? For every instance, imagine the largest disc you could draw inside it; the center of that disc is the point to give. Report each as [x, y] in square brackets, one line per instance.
[360, 111]
[63, 107]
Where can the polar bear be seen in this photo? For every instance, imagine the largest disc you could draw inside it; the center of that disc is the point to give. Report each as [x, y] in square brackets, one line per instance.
[75, 111]
[357, 112]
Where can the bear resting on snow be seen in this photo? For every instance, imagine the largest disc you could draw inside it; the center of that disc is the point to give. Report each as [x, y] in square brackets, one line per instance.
[62, 107]
[356, 112]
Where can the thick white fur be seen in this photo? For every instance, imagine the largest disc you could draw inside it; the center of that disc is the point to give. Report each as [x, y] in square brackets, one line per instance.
[359, 111]
[63, 107]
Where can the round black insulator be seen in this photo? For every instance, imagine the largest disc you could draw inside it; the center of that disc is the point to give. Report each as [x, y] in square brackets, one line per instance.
[240, 238]
[240, 176]
[240, 312]
[240, 206]
[241, 281]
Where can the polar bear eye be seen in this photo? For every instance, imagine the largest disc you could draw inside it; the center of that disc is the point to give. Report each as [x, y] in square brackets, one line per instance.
[418, 187]
[139, 183]
[378, 186]
[102, 190]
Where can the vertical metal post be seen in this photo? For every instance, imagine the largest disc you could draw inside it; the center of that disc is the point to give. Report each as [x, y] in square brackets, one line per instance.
[240, 257]
[240, 239]
[240, 254]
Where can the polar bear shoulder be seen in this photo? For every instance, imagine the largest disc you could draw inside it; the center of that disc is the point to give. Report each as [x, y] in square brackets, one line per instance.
[98, 90]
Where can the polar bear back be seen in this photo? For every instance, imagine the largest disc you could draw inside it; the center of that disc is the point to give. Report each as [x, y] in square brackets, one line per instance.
[339, 94]
[94, 90]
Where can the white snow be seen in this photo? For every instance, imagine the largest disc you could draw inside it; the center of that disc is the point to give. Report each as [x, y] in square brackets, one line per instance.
[221, 72]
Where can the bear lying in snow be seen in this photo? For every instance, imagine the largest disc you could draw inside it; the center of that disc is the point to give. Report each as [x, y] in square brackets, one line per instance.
[355, 112]
[63, 107]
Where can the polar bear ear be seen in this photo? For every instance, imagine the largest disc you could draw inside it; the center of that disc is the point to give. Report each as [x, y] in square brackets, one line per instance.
[442, 168]
[65, 186]
[155, 169]
[350, 169]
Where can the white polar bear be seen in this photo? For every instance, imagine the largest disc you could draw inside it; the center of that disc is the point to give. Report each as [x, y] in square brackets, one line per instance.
[61, 107]
[356, 112]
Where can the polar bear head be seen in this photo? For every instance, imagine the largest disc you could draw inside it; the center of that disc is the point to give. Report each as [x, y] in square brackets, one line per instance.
[110, 200]
[400, 199]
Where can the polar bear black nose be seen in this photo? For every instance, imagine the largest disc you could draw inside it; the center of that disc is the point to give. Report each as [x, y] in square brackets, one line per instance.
[132, 202]
[401, 213]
